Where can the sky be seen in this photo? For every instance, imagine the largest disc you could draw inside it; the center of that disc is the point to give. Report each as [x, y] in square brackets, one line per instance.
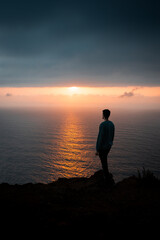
[88, 43]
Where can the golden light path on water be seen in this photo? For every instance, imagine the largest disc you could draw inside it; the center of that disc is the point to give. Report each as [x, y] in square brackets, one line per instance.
[73, 155]
[69, 147]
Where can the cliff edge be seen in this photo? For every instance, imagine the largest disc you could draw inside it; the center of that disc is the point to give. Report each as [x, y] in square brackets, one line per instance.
[82, 205]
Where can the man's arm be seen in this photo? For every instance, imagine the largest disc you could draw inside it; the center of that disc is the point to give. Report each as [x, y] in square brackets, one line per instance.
[111, 134]
[99, 138]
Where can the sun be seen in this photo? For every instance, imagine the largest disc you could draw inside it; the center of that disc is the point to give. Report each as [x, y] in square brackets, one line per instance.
[73, 90]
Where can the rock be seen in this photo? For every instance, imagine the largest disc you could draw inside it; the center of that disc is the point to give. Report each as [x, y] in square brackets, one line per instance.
[87, 205]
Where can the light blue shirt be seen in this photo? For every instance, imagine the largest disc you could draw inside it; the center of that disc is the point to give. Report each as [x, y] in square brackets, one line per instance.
[105, 136]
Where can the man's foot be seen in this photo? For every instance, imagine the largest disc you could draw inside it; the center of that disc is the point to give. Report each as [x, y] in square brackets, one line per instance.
[109, 181]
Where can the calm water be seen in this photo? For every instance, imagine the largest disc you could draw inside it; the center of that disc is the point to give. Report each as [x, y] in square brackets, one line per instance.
[43, 145]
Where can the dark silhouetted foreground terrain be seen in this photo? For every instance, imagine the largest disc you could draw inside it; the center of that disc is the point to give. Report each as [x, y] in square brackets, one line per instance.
[81, 206]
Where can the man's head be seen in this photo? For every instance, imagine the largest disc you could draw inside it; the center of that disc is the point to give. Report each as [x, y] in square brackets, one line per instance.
[106, 113]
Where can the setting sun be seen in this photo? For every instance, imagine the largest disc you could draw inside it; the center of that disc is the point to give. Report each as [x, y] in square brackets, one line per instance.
[73, 89]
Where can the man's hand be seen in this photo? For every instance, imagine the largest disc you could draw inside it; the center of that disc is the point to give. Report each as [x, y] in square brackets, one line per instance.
[97, 153]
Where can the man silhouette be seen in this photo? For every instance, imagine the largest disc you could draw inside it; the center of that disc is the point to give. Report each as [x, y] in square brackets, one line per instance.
[105, 141]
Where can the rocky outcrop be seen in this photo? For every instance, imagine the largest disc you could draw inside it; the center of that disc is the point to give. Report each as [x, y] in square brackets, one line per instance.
[81, 206]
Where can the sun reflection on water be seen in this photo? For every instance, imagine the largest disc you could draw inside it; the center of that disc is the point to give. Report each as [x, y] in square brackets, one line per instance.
[72, 147]
[69, 145]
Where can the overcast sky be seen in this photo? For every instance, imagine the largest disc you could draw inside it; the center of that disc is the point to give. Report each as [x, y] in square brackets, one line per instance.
[81, 43]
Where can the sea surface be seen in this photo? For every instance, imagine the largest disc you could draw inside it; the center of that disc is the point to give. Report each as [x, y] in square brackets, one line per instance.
[42, 145]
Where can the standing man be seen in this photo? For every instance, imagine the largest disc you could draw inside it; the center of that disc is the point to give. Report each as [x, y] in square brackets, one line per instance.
[105, 141]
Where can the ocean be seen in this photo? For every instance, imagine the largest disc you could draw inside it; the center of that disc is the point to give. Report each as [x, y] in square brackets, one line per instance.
[44, 144]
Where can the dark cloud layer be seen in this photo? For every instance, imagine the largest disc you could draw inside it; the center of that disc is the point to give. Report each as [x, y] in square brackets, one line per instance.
[96, 42]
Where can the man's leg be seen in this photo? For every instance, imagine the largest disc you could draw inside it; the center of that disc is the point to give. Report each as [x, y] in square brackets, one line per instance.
[103, 157]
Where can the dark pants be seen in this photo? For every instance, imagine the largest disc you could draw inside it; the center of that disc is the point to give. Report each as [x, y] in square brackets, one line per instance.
[103, 154]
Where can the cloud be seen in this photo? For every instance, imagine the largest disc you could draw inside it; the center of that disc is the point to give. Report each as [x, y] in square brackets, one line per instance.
[8, 94]
[127, 94]
[45, 43]
[131, 93]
